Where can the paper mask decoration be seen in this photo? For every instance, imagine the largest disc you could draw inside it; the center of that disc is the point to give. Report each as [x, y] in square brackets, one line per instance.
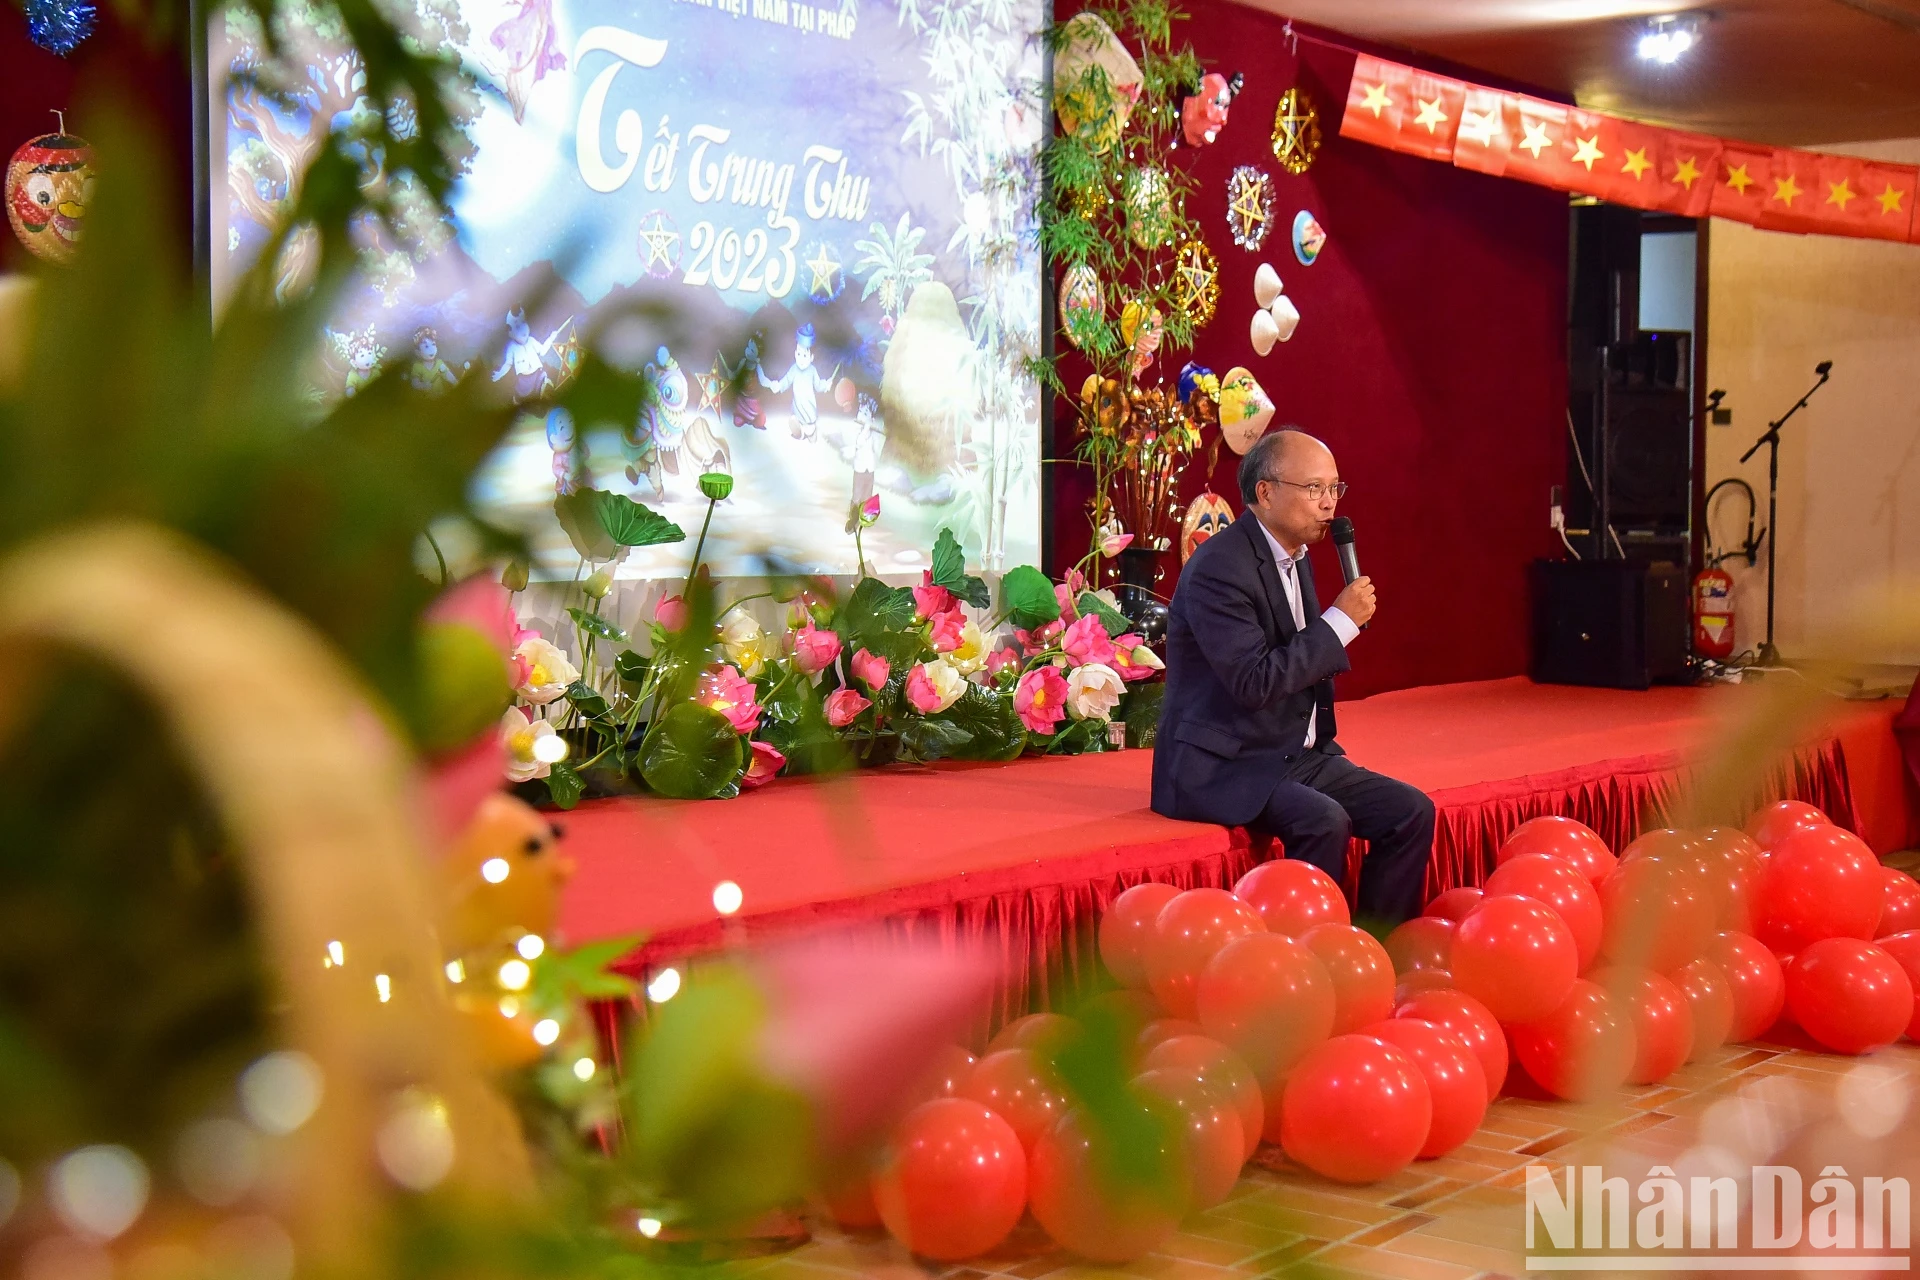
[1082, 303]
[1309, 238]
[1245, 410]
[1263, 332]
[1266, 284]
[1204, 114]
[48, 186]
[1207, 515]
[1142, 329]
[1196, 282]
[1249, 206]
[1095, 82]
[1296, 131]
[1286, 317]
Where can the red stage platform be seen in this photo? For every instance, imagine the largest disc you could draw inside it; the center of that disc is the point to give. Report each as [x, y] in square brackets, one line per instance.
[1024, 856]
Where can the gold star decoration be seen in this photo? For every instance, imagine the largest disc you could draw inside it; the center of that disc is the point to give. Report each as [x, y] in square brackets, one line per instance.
[1480, 126]
[660, 243]
[823, 265]
[712, 383]
[1376, 100]
[1588, 151]
[1249, 206]
[1738, 178]
[1636, 163]
[1296, 131]
[1536, 140]
[1890, 199]
[1430, 114]
[1786, 190]
[1839, 193]
[1196, 282]
[1686, 173]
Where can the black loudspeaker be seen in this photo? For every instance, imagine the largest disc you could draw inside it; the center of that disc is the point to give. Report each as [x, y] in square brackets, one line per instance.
[1649, 461]
[1610, 623]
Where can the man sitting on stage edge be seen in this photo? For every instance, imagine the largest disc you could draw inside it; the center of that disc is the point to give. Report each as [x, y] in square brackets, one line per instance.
[1246, 731]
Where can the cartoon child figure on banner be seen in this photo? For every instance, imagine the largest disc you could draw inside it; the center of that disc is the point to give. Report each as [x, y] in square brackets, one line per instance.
[526, 358]
[746, 398]
[428, 371]
[806, 383]
[566, 471]
[869, 435]
[666, 429]
[363, 352]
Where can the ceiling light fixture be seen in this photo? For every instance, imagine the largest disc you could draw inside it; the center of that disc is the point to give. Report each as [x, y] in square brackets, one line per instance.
[1666, 39]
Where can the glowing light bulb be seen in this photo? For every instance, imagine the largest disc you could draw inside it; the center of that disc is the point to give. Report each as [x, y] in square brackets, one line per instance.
[550, 748]
[336, 956]
[509, 1007]
[494, 870]
[531, 946]
[515, 974]
[727, 897]
[583, 1069]
[649, 1227]
[546, 1031]
[383, 987]
[664, 987]
[456, 972]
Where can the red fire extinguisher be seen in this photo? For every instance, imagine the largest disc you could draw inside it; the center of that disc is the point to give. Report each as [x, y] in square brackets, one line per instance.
[1713, 614]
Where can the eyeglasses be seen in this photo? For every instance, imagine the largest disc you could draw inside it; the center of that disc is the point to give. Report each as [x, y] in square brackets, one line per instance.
[1315, 491]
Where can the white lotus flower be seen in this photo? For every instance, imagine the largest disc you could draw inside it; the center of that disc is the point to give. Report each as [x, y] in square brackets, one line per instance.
[1093, 691]
[971, 654]
[548, 673]
[533, 746]
[747, 646]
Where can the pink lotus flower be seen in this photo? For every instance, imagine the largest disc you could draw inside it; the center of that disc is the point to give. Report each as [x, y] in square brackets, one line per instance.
[1039, 640]
[1066, 595]
[1076, 582]
[934, 686]
[947, 628]
[1114, 543]
[870, 511]
[814, 650]
[1086, 641]
[765, 763]
[1128, 662]
[732, 695]
[930, 601]
[1000, 659]
[872, 670]
[844, 707]
[670, 613]
[1041, 699]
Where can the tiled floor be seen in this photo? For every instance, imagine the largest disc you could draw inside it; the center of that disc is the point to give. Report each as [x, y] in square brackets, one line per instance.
[1461, 1216]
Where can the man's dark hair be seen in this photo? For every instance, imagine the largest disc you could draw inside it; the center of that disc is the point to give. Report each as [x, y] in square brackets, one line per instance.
[1261, 462]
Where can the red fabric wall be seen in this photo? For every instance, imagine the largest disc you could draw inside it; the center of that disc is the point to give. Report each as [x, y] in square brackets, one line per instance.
[1431, 357]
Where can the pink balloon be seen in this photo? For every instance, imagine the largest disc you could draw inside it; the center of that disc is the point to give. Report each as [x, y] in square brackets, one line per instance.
[1515, 956]
[1293, 896]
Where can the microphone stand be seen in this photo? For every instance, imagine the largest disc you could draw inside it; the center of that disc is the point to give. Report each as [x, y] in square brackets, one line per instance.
[1770, 656]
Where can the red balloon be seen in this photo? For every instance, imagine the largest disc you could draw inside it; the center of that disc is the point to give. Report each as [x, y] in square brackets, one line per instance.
[1270, 999]
[1781, 818]
[1711, 999]
[1361, 972]
[1515, 956]
[951, 1067]
[1555, 883]
[1658, 914]
[1127, 1010]
[1902, 911]
[1820, 882]
[1563, 838]
[1424, 942]
[1034, 1031]
[1215, 1142]
[1161, 1030]
[1454, 1078]
[1126, 928]
[1754, 981]
[1189, 930]
[1293, 896]
[1221, 1069]
[953, 1181]
[1471, 1021]
[1584, 1049]
[1414, 981]
[1904, 948]
[1356, 1109]
[1849, 995]
[1455, 903]
[1727, 843]
[1077, 1197]
[1661, 1016]
[1015, 1085]
[1663, 842]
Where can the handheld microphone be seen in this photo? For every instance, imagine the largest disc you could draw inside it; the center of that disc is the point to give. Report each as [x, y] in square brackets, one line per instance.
[1823, 368]
[1342, 531]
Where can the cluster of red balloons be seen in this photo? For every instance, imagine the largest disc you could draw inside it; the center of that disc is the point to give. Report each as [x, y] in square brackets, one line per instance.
[1264, 1014]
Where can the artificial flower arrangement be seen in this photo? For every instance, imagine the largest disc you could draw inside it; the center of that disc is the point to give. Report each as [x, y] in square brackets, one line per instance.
[719, 704]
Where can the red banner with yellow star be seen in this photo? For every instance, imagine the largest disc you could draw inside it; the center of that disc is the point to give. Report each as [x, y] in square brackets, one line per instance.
[1625, 162]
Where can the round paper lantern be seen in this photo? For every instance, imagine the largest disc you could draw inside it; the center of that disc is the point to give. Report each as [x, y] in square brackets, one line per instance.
[1015, 1085]
[1775, 822]
[1186, 934]
[1424, 942]
[1515, 956]
[1584, 1049]
[1086, 1204]
[1754, 981]
[1662, 1020]
[1361, 972]
[1904, 950]
[1127, 926]
[1221, 1069]
[1472, 1022]
[1711, 1001]
[1356, 1109]
[49, 185]
[1210, 1128]
[1849, 995]
[1293, 896]
[1556, 883]
[1658, 914]
[1034, 1031]
[1455, 1082]
[1902, 910]
[1563, 838]
[953, 1181]
[1269, 998]
[1819, 882]
[1455, 903]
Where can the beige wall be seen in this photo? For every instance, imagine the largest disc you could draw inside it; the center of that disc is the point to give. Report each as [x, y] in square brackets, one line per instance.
[1850, 465]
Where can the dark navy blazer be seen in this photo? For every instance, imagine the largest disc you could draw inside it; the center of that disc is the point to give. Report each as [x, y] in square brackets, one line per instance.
[1241, 680]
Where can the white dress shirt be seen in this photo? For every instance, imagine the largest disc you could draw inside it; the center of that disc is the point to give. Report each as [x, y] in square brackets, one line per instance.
[1288, 563]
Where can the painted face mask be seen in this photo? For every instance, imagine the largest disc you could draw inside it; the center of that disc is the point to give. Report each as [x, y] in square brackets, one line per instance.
[48, 187]
[1207, 515]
